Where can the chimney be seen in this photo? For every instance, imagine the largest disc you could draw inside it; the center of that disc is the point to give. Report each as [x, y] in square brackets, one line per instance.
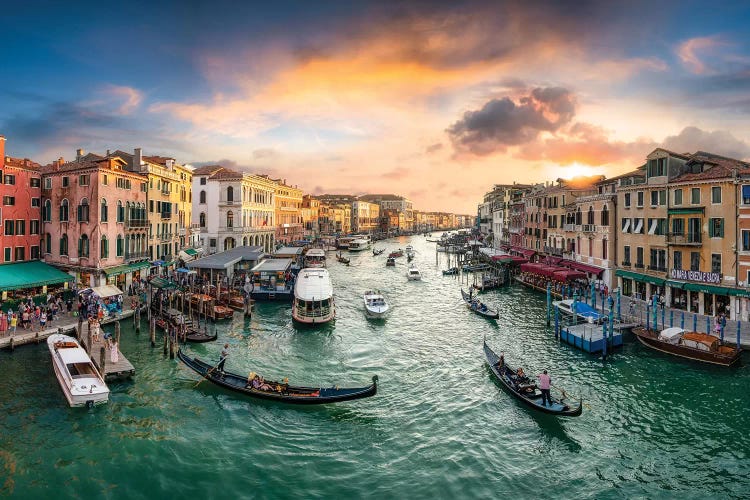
[137, 159]
[2, 151]
[108, 153]
[79, 154]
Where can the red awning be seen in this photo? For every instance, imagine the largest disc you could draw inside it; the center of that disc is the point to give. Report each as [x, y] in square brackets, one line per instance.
[586, 268]
[568, 275]
[502, 258]
[518, 260]
[527, 253]
[552, 260]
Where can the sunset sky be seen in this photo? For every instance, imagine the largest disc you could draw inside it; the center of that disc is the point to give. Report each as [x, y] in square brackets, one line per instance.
[433, 100]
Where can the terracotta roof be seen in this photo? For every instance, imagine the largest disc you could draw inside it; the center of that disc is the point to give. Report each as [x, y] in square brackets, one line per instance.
[158, 160]
[21, 163]
[225, 173]
[82, 164]
[635, 173]
[207, 169]
[714, 167]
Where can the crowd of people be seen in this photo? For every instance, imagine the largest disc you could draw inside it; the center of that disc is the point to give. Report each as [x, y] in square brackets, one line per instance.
[34, 317]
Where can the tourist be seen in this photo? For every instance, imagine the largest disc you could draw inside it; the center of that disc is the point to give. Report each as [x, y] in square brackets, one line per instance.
[114, 352]
[13, 322]
[223, 358]
[42, 320]
[25, 319]
[544, 385]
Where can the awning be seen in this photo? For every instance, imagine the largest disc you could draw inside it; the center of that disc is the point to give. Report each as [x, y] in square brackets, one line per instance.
[157, 263]
[504, 259]
[640, 277]
[676, 284]
[706, 288]
[20, 275]
[553, 260]
[162, 283]
[191, 251]
[568, 274]
[586, 268]
[107, 291]
[528, 253]
[681, 211]
[182, 270]
[127, 268]
[139, 265]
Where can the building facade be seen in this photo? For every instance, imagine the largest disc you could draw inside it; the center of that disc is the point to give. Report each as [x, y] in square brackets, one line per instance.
[365, 217]
[288, 199]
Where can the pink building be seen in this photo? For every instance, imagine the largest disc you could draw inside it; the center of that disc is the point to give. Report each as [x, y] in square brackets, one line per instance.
[21, 190]
[94, 219]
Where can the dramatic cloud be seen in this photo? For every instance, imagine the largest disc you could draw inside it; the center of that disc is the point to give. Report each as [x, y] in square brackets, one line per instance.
[722, 142]
[688, 52]
[502, 123]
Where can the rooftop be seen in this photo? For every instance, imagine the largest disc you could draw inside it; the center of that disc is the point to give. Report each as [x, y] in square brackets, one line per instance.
[229, 258]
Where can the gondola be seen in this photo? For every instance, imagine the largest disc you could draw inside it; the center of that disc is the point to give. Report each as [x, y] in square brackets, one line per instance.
[526, 391]
[286, 393]
[375, 252]
[450, 272]
[342, 259]
[198, 337]
[478, 307]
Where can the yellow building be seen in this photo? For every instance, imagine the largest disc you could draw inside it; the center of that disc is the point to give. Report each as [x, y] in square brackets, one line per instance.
[288, 212]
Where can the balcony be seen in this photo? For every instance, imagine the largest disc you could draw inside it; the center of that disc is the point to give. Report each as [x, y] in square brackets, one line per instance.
[181, 231]
[558, 252]
[589, 228]
[229, 203]
[164, 236]
[133, 256]
[569, 227]
[626, 263]
[639, 265]
[233, 229]
[166, 215]
[691, 239]
[136, 223]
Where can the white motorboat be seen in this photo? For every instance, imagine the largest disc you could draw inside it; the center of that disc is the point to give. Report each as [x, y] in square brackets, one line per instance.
[409, 252]
[359, 244]
[79, 379]
[376, 306]
[315, 257]
[583, 311]
[413, 273]
[313, 297]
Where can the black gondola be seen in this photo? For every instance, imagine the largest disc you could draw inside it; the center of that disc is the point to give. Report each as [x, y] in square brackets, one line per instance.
[280, 392]
[200, 337]
[478, 307]
[524, 390]
[450, 272]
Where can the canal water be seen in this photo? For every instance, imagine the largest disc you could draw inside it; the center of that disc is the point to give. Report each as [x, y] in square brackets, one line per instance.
[439, 426]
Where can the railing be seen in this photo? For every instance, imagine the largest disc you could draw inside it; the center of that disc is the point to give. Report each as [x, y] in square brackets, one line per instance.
[231, 229]
[569, 227]
[166, 215]
[136, 255]
[164, 236]
[639, 265]
[315, 312]
[589, 228]
[132, 223]
[229, 202]
[682, 239]
[625, 263]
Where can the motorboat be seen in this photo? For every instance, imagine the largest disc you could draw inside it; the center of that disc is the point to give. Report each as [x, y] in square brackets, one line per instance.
[376, 306]
[580, 310]
[390, 262]
[695, 346]
[359, 244]
[81, 382]
[377, 251]
[413, 273]
[396, 253]
[315, 257]
[313, 297]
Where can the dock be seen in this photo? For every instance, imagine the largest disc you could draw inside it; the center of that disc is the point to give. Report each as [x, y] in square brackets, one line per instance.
[590, 337]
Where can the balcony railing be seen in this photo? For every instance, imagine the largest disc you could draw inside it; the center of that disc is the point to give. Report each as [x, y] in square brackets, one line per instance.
[166, 215]
[569, 227]
[626, 263]
[639, 265]
[130, 256]
[589, 228]
[136, 223]
[164, 236]
[232, 229]
[684, 239]
[229, 202]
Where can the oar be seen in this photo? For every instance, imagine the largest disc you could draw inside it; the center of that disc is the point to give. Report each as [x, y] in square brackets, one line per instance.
[565, 394]
[206, 375]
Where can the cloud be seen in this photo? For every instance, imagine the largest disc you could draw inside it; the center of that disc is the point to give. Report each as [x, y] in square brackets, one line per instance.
[265, 153]
[721, 142]
[688, 52]
[131, 98]
[433, 148]
[502, 123]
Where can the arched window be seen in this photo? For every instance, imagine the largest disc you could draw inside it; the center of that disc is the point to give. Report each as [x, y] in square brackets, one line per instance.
[120, 212]
[230, 193]
[590, 217]
[104, 215]
[230, 218]
[48, 242]
[120, 245]
[83, 246]
[64, 211]
[605, 216]
[578, 217]
[47, 214]
[64, 245]
[104, 247]
[83, 211]
[202, 219]
[202, 197]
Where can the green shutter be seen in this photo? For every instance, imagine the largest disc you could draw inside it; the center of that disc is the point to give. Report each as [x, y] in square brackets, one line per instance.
[721, 228]
[711, 228]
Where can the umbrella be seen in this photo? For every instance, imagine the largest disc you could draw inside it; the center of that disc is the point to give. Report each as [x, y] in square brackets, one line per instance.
[183, 270]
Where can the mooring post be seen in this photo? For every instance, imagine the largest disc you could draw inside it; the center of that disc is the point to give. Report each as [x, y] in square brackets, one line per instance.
[557, 322]
[165, 344]
[604, 341]
[682, 320]
[103, 360]
[89, 343]
[695, 322]
[738, 334]
[708, 325]
[671, 318]
[549, 301]
[152, 331]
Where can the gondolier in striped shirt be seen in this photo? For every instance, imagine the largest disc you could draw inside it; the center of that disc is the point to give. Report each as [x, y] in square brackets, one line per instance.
[544, 384]
[223, 358]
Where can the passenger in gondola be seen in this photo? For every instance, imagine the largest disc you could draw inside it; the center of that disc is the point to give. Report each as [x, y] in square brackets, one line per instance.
[501, 362]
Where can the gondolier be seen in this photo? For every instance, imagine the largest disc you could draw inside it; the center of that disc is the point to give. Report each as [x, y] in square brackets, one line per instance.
[223, 358]
[544, 384]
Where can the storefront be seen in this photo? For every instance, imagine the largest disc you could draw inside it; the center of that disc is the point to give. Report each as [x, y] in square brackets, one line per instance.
[639, 286]
[123, 276]
[34, 278]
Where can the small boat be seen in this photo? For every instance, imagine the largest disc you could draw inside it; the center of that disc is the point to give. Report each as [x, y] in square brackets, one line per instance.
[413, 273]
[478, 307]
[523, 389]
[279, 391]
[582, 310]
[81, 382]
[375, 304]
[450, 272]
[396, 253]
[315, 257]
[222, 312]
[198, 337]
[342, 259]
[390, 262]
[690, 345]
[377, 251]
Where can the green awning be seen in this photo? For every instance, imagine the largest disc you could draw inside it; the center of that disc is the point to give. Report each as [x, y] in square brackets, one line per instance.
[676, 284]
[20, 275]
[640, 277]
[681, 211]
[162, 283]
[191, 251]
[134, 266]
[716, 290]
[111, 271]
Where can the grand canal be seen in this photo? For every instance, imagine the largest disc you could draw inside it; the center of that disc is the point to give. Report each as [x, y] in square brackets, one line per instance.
[439, 426]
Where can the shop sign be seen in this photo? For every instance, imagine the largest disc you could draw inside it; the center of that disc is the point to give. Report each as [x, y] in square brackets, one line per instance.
[699, 276]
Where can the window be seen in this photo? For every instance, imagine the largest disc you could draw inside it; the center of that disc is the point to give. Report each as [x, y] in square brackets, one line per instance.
[8, 254]
[10, 224]
[34, 226]
[104, 247]
[695, 261]
[9, 200]
[83, 180]
[746, 195]
[626, 255]
[677, 259]
[48, 243]
[120, 245]
[639, 201]
[694, 230]
[627, 199]
[103, 210]
[716, 194]
[20, 227]
[203, 181]
[663, 197]
[639, 257]
[716, 263]
[144, 187]
[20, 253]
[678, 196]
[590, 216]
[47, 211]
[230, 219]
[604, 249]
[638, 225]
[212, 242]
[746, 240]
[64, 245]
[120, 212]
[83, 211]
[678, 227]
[230, 193]
[695, 196]
[202, 198]
[64, 211]
[10, 179]
[36, 182]
[202, 219]
[105, 180]
[654, 198]
[36, 202]
[657, 167]
[65, 182]
[605, 216]
[48, 183]
[35, 252]
[83, 246]
[716, 227]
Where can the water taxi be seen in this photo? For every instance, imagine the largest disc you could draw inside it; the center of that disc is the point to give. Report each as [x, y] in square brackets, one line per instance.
[359, 244]
[314, 258]
[81, 382]
[413, 273]
[313, 297]
[375, 304]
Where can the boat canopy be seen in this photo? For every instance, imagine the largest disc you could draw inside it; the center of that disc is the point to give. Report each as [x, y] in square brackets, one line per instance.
[700, 341]
[72, 355]
[671, 335]
[313, 284]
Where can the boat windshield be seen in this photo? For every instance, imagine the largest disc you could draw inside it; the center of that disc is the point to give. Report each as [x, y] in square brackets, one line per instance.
[81, 370]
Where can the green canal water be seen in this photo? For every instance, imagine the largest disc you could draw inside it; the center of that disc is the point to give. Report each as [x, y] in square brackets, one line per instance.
[439, 426]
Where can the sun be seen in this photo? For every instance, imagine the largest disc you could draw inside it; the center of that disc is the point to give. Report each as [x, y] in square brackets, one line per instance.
[577, 170]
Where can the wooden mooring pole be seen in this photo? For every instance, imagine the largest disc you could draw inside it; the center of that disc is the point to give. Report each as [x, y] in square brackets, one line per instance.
[102, 360]
[152, 331]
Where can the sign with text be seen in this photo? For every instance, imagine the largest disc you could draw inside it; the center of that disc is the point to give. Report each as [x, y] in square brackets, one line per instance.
[699, 276]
